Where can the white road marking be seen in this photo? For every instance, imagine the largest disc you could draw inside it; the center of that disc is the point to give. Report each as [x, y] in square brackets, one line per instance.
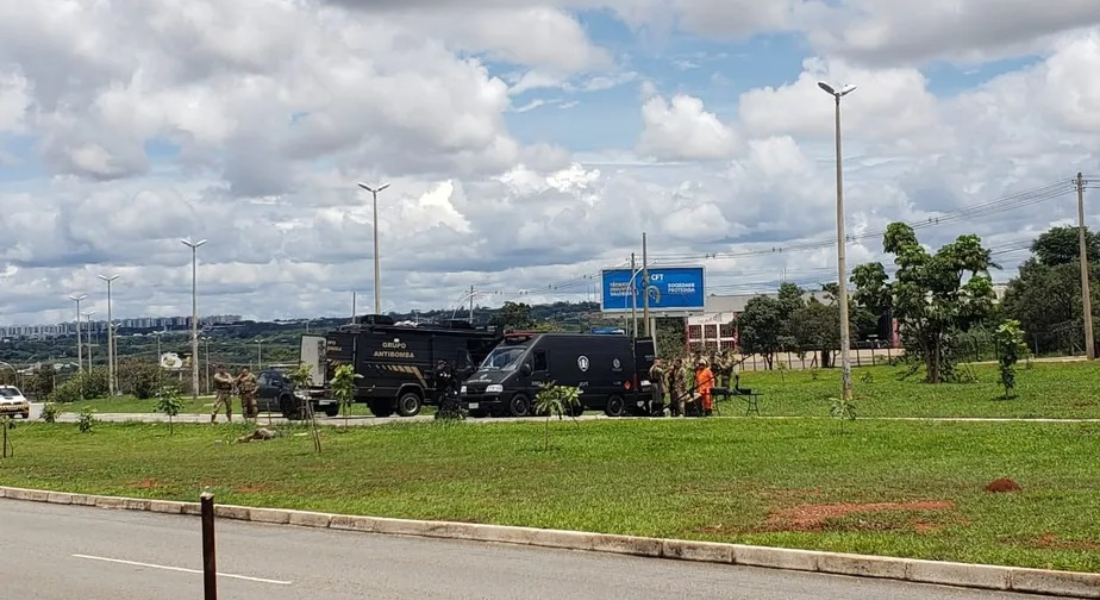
[180, 569]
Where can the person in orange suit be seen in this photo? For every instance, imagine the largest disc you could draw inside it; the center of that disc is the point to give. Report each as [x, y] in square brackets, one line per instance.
[704, 382]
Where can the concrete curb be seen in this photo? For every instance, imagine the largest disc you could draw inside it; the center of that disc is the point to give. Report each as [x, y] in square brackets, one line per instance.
[989, 577]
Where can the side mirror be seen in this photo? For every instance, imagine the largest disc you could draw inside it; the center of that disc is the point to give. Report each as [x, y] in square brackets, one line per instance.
[526, 370]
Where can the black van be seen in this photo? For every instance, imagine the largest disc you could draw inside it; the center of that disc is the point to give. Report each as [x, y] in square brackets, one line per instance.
[397, 362]
[609, 370]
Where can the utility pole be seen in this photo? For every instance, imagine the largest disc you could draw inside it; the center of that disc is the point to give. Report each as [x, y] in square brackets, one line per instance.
[353, 308]
[633, 299]
[1086, 296]
[79, 343]
[645, 285]
[471, 305]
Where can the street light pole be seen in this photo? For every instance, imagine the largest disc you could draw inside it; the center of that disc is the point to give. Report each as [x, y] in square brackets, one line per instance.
[841, 266]
[377, 288]
[79, 344]
[88, 315]
[111, 371]
[194, 246]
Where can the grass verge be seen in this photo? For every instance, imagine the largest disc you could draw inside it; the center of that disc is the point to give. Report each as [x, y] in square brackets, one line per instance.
[1045, 389]
[905, 489]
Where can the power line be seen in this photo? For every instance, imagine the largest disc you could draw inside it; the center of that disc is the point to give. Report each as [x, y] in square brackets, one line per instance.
[1016, 201]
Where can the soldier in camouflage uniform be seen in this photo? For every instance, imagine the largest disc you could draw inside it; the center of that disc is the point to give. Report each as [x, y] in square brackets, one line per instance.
[678, 388]
[223, 387]
[246, 389]
[658, 381]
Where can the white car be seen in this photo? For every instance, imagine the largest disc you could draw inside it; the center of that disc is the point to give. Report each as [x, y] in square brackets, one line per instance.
[13, 402]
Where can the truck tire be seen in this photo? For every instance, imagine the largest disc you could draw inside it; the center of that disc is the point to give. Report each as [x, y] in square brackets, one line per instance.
[289, 407]
[332, 410]
[380, 408]
[519, 405]
[409, 404]
[616, 406]
[576, 411]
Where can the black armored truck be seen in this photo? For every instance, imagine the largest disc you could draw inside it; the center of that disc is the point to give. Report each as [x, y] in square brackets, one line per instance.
[610, 371]
[397, 362]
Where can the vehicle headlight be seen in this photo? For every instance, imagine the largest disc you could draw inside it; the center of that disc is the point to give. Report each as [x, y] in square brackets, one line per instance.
[496, 388]
[462, 390]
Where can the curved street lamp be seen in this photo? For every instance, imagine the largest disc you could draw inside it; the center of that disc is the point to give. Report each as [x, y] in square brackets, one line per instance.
[841, 262]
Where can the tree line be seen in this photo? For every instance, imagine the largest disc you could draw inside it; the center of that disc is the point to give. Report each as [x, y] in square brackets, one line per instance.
[938, 299]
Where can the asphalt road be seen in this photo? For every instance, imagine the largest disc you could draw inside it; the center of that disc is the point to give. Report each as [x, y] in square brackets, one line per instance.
[64, 552]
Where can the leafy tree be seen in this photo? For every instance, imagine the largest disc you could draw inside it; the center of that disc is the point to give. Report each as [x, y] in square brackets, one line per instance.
[933, 296]
[1061, 245]
[1010, 346]
[301, 378]
[343, 388]
[842, 410]
[760, 327]
[791, 300]
[86, 385]
[42, 383]
[816, 326]
[139, 377]
[514, 315]
[169, 403]
[671, 334]
[1045, 297]
[87, 421]
[50, 412]
[556, 401]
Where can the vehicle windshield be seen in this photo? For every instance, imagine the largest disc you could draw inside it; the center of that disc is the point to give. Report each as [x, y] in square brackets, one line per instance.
[504, 359]
[9, 391]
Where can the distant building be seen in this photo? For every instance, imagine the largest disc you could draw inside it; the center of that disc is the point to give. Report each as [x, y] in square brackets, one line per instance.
[141, 323]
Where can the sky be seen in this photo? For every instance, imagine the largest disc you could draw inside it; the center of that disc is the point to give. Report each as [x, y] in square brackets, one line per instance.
[527, 145]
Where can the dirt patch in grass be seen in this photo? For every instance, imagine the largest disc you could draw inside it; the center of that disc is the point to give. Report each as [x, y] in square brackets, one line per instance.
[1003, 485]
[817, 517]
[1051, 541]
[146, 484]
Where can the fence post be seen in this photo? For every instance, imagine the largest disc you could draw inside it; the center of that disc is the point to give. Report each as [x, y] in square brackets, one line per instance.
[209, 564]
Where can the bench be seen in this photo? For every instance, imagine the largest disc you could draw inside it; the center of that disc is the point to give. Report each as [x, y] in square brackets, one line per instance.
[749, 397]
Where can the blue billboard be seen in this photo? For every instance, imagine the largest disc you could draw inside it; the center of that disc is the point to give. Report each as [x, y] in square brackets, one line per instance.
[670, 289]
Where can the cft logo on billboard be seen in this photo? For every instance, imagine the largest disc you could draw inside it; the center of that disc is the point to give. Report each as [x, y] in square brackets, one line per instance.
[670, 289]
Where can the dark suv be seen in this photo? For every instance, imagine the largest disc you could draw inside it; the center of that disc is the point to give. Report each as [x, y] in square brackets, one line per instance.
[276, 394]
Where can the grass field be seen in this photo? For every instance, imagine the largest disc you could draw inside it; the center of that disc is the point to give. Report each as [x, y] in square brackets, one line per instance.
[912, 489]
[1046, 389]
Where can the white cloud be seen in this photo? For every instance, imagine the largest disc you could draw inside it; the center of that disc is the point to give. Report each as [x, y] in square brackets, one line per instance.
[891, 107]
[886, 32]
[249, 124]
[682, 129]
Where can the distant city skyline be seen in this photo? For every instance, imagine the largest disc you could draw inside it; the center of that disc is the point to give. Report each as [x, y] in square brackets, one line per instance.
[100, 326]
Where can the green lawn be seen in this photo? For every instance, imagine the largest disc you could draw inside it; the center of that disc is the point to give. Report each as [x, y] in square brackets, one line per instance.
[130, 404]
[792, 483]
[1045, 389]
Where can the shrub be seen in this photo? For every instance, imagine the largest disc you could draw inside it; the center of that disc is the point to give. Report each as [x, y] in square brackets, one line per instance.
[86, 385]
[50, 412]
[87, 419]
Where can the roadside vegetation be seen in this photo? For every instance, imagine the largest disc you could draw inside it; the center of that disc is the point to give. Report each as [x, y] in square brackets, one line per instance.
[1041, 390]
[911, 489]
